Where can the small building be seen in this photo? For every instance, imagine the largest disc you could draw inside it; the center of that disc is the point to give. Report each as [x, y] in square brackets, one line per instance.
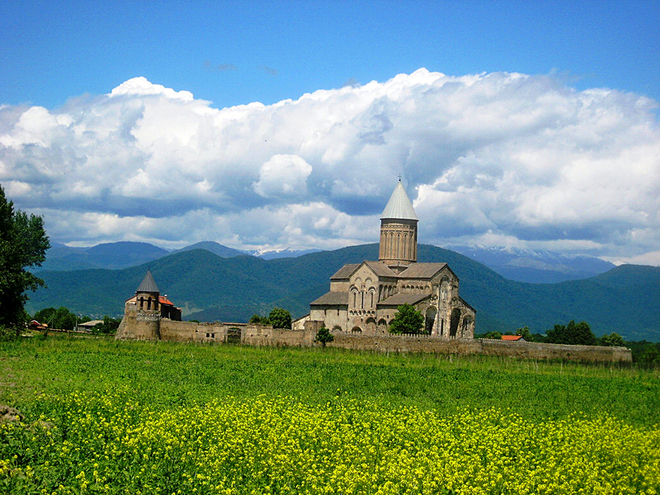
[513, 338]
[88, 326]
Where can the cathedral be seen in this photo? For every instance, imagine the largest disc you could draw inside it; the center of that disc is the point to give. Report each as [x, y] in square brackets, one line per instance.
[364, 297]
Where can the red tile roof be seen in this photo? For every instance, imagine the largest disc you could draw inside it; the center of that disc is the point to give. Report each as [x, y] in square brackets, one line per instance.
[161, 299]
[512, 338]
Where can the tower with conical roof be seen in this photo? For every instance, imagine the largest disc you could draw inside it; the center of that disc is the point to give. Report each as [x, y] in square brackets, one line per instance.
[142, 312]
[398, 231]
[147, 294]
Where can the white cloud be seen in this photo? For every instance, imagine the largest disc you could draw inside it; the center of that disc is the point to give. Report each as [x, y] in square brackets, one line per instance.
[487, 158]
[283, 176]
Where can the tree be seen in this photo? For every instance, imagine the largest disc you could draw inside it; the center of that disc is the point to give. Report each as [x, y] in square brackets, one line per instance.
[109, 325]
[407, 320]
[493, 335]
[525, 333]
[280, 318]
[651, 354]
[324, 336]
[60, 318]
[259, 320]
[573, 334]
[23, 244]
[612, 340]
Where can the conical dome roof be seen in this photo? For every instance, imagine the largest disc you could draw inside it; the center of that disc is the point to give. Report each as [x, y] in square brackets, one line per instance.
[399, 206]
[148, 284]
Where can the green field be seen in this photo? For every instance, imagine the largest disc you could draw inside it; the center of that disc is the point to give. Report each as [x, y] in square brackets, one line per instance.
[102, 416]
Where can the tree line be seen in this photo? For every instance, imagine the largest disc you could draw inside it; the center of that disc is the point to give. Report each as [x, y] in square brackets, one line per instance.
[63, 319]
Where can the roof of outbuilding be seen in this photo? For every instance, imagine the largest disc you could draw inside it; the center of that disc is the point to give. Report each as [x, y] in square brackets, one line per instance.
[90, 324]
[331, 299]
[148, 284]
[422, 270]
[399, 206]
[399, 299]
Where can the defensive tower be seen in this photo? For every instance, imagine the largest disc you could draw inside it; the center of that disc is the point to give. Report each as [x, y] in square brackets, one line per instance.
[142, 312]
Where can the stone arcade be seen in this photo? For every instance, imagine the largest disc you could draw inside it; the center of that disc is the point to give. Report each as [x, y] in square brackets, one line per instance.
[364, 297]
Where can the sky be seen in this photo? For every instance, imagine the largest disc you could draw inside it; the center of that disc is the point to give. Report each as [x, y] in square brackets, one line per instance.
[286, 124]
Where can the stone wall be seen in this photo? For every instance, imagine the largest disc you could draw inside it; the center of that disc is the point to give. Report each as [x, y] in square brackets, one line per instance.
[535, 350]
[190, 331]
[405, 343]
[259, 335]
[524, 350]
[262, 335]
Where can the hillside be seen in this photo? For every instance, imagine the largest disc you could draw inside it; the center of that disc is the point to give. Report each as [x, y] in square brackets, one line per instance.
[112, 255]
[209, 287]
[215, 248]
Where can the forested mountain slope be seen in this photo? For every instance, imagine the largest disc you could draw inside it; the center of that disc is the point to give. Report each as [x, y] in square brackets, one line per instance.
[208, 287]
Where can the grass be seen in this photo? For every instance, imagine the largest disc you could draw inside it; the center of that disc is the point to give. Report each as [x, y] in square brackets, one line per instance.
[102, 416]
[168, 375]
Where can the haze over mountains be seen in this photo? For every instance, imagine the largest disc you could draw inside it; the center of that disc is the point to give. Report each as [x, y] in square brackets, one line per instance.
[114, 255]
[526, 265]
[211, 287]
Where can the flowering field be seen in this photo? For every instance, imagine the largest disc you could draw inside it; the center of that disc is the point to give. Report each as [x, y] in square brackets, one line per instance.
[92, 424]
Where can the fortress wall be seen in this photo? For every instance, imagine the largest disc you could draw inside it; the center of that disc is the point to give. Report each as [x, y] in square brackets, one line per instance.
[404, 343]
[137, 328]
[177, 331]
[523, 350]
[536, 350]
[190, 331]
[260, 335]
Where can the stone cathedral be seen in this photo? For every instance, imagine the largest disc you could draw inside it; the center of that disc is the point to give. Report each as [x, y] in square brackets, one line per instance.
[364, 297]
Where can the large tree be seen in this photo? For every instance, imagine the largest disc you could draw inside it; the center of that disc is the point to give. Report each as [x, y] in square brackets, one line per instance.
[407, 320]
[23, 244]
[280, 318]
[573, 333]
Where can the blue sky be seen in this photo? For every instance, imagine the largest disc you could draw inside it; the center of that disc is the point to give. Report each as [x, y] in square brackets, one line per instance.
[285, 124]
[238, 52]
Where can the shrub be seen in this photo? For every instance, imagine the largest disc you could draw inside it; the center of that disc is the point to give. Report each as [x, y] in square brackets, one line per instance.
[324, 336]
[612, 340]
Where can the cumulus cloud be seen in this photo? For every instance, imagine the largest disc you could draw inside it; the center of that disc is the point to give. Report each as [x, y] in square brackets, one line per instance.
[493, 158]
[283, 175]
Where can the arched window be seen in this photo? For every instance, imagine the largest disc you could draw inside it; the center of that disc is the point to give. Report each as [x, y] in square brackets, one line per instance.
[429, 320]
[455, 319]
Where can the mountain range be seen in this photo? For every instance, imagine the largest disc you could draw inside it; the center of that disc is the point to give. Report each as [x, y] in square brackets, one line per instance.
[210, 287]
[526, 265]
[114, 255]
[512, 263]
